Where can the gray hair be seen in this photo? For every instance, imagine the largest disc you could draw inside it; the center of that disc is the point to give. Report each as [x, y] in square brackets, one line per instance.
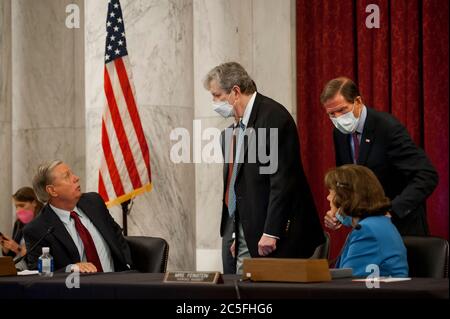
[43, 177]
[228, 75]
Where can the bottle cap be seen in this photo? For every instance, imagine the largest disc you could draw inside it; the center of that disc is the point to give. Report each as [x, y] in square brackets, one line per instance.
[45, 250]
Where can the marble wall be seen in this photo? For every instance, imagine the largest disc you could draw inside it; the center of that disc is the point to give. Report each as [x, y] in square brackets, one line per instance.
[159, 40]
[47, 88]
[5, 117]
[259, 34]
[52, 99]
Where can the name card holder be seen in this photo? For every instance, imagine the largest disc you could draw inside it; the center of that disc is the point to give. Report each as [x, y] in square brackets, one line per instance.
[193, 277]
[7, 267]
[286, 270]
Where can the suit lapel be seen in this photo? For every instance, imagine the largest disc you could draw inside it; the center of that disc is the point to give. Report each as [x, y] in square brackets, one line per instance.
[226, 144]
[99, 223]
[367, 138]
[60, 232]
[250, 129]
[344, 144]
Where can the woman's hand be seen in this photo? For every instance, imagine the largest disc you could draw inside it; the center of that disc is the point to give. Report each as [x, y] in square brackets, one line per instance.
[9, 244]
[331, 221]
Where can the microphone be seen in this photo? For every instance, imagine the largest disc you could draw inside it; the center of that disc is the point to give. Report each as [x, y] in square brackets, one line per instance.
[49, 231]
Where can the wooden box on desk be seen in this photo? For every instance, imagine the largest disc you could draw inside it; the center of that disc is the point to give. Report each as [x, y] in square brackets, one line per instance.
[7, 266]
[286, 270]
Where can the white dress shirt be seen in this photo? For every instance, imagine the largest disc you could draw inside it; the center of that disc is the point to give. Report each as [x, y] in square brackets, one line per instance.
[100, 244]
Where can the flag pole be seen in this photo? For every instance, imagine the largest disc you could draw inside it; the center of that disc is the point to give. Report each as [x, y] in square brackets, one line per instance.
[125, 216]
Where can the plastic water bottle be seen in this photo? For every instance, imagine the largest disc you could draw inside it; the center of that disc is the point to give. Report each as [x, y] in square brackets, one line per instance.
[45, 263]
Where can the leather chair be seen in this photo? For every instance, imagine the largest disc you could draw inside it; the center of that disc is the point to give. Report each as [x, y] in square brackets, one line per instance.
[427, 256]
[149, 254]
[322, 251]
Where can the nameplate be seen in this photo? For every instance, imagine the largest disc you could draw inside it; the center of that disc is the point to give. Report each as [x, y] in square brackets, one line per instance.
[194, 277]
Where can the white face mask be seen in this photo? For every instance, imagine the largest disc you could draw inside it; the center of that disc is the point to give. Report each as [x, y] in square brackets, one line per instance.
[223, 108]
[346, 123]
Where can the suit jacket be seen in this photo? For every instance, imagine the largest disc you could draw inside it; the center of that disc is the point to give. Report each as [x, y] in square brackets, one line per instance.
[227, 226]
[62, 247]
[402, 168]
[376, 242]
[278, 204]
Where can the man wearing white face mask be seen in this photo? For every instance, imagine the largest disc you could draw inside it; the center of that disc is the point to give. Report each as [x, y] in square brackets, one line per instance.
[224, 109]
[380, 142]
[274, 212]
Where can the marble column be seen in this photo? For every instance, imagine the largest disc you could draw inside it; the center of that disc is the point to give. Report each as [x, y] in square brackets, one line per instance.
[259, 34]
[159, 42]
[5, 117]
[216, 39]
[47, 88]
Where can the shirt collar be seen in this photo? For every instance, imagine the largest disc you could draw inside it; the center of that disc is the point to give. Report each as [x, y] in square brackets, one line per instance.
[64, 215]
[362, 120]
[248, 110]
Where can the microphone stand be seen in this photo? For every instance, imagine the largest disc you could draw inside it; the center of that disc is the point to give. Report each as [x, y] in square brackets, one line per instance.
[126, 209]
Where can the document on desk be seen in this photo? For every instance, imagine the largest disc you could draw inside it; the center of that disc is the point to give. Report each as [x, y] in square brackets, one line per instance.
[382, 279]
[27, 272]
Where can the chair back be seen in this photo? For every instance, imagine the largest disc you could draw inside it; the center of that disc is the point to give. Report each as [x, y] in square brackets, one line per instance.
[149, 254]
[427, 256]
[322, 251]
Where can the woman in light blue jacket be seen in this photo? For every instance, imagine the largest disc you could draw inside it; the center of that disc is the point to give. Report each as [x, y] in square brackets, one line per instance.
[357, 200]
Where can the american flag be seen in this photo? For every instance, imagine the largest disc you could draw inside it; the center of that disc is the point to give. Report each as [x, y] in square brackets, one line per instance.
[125, 164]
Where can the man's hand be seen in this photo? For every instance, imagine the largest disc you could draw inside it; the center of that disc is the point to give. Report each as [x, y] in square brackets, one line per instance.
[331, 221]
[266, 245]
[233, 249]
[84, 268]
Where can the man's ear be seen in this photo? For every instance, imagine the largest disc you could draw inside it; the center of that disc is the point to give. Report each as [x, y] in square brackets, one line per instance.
[358, 100]
[51, 190]
[237, 90]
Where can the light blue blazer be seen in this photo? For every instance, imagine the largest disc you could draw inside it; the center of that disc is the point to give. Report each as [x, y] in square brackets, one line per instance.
[376, 242]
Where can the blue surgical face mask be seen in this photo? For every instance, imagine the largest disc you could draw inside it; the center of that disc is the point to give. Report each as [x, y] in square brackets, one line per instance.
[344, 219]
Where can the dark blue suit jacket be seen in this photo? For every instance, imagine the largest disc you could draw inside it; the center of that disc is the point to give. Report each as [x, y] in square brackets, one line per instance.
[403, 169]
[62, 247]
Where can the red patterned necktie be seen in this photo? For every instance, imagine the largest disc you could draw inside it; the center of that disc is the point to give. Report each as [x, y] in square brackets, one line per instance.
[88, 242]
[230, 167]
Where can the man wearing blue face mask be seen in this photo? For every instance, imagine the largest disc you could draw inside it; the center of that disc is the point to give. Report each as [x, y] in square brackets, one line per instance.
[380, 142]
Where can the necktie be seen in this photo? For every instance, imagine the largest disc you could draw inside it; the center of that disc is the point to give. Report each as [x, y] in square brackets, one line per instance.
[231, 191]
[88, 242]
[356, 146]
[230, 166]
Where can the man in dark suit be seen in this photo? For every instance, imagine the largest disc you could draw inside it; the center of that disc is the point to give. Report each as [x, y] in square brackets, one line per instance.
[227, 222]
[377, 140]
[269, 197]
[81, 234]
